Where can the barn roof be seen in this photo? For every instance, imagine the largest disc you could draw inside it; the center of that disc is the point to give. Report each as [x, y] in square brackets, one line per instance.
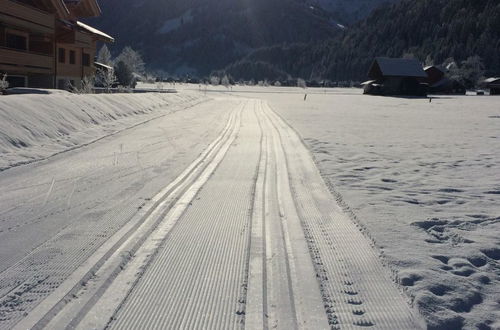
[492, 80]
[396, 67]
[436, 67]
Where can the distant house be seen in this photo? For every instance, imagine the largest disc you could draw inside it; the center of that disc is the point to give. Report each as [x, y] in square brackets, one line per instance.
[43, 45]
[396, 76]
[439, 83]
[494, 85]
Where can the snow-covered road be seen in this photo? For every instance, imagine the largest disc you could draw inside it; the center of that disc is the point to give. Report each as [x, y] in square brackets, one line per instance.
[242, 233]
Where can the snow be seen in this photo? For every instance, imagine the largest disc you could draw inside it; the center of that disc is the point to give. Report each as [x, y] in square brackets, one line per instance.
[55, 214]
[174, 23]
[35, 126]
[423, 180]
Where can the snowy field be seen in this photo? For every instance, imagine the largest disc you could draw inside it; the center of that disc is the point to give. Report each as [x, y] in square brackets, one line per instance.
[423, 179]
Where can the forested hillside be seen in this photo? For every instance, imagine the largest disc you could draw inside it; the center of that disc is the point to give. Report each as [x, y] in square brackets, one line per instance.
[195, 37]
[431, 30]
[350, 11]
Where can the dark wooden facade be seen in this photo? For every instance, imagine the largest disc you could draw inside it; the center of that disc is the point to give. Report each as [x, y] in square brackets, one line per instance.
[42, 44]
[494, 85]
[396, 76]
[439, 83]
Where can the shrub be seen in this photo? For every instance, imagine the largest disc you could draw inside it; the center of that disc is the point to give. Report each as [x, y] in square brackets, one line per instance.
[4, 84]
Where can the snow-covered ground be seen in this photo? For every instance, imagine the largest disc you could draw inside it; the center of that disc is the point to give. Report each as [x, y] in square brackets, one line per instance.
[55, 213]
[34, 126]
[423, 179]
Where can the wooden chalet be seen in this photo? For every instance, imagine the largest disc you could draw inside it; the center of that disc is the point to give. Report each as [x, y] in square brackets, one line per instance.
[43, 45]
[396, 76]
[439, 83]
[494, 85]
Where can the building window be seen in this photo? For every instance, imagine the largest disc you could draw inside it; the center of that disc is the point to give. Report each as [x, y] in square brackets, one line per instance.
[62, 55]
[85, 59]
[16, 41]
[72, 57]
[16, 81]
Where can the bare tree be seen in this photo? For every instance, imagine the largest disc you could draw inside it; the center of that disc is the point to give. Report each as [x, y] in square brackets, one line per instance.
[214, 80]
[225, 81]
[469, 73]
[132, 59]
[106, 78]
[104, 56]
[4, 84]
[86, 86]
[301, 83]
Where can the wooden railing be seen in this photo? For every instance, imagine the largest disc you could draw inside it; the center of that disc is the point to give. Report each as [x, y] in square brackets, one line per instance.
[27, 13]
[35, 62]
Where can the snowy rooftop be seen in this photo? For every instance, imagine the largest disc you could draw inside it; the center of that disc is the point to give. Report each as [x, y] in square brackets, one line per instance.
[399, 67]
[438, 67]
[94, 31]
[492, 80]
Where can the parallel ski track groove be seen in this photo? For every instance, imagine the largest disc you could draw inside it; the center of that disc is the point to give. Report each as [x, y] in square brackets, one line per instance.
[256, 309]
[350, 264]
[163, 240]
[292, 296]
[66, 267]
[200, 268]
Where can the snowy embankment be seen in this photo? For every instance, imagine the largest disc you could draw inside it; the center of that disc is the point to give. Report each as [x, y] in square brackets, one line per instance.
[423, 179]
[34, 127]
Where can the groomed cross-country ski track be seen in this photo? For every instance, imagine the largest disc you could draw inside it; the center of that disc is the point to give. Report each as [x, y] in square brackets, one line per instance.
[247, 236]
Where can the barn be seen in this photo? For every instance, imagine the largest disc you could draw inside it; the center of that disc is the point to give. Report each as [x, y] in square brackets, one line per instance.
[439, 83]
[494, 85]
[396, 76]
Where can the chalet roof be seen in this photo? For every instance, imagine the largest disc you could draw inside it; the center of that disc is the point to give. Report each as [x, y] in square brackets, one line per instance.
[396, 67]
[99, 34]
[492, 80]
[83, 8]
[436, 67]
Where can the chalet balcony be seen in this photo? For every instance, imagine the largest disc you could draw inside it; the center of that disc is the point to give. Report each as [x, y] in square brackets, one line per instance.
[28, 18]
[16, 60]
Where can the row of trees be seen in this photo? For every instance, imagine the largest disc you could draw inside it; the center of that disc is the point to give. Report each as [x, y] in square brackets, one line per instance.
[125, 70]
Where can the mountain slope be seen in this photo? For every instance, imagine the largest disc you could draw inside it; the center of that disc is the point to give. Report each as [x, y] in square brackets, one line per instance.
[198, 36]
[350, 11]
[428, 29]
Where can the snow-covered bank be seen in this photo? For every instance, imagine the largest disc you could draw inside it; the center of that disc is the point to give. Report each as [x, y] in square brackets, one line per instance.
[424, 180]
[34, 127]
